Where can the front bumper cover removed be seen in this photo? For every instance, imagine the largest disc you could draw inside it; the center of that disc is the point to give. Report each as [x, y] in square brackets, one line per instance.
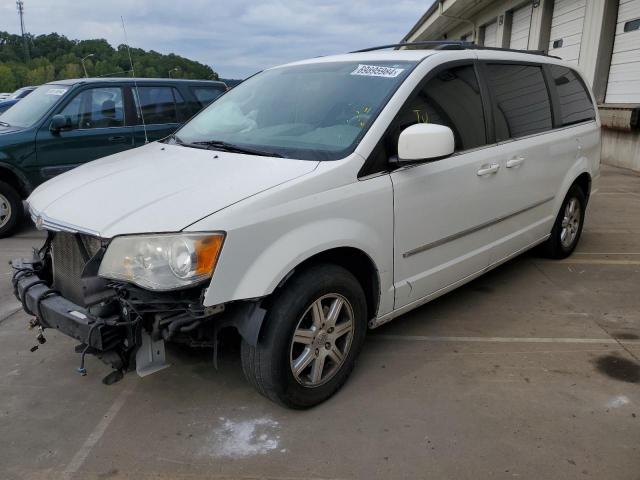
[54, 311]
[109, 337]
[120, 333]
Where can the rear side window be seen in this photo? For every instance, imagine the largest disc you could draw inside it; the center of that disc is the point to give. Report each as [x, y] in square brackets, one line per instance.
[521, 100]
[451, 98]
[206, 95]
[575, 102]
[159, 105]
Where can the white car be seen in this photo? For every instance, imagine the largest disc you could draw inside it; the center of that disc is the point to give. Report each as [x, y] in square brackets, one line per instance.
[310, 203]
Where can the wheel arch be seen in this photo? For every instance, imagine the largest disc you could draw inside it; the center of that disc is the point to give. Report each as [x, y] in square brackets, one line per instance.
[584, 182]
[16, 179]
[354, 260]
[248, 316]
[579, 174]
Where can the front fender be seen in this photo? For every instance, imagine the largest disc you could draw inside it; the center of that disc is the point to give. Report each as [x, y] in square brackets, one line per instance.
[269, 237]
[270, 267]
[25, 185]
[320, 236]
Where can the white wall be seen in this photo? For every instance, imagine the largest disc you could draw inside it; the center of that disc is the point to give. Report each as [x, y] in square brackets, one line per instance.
[593, 52]
[621, 149]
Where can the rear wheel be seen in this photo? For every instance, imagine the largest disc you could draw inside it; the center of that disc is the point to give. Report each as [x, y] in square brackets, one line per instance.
[568, 225]
[11, 210]
[313, 333]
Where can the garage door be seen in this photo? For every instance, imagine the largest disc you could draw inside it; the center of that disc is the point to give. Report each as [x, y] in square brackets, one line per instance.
[624, 74]
[491, 35]
[566, 29]
[520, 26]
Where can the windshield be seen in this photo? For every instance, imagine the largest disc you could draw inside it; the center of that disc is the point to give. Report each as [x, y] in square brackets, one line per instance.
[315, 111]
[31, 108]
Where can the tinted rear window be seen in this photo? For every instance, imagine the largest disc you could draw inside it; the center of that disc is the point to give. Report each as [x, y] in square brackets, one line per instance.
[159, 105]
[522, 105]
[575, 102]
[206, 95]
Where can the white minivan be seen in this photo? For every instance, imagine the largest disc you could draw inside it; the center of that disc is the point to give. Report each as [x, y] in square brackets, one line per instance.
[310, 203]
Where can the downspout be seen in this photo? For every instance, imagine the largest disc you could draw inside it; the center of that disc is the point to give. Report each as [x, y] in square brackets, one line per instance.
[442, 14]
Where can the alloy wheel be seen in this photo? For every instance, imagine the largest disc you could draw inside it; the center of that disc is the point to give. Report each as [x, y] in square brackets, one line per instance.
[5, 211]
[321, 340]
[570, 223]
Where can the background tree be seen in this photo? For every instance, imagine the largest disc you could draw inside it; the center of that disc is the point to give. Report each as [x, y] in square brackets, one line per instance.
[55, 57]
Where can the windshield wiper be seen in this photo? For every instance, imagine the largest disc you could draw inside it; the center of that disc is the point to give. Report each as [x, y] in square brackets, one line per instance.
[230, 147]
[4, 124]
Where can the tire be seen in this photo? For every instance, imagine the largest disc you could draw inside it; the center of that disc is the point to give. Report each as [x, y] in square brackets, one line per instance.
[11, 209]
[325, 349]
[567, 228]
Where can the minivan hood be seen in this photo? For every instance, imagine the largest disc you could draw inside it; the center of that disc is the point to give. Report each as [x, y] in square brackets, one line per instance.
[156, 188]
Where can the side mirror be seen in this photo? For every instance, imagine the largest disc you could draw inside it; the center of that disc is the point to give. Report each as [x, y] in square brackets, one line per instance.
[425, 141]
[59, 123]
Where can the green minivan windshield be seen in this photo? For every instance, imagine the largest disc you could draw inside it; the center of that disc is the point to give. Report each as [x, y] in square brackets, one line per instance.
[31, 108]
[316, 111]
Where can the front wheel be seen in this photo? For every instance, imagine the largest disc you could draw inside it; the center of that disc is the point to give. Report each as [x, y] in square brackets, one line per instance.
[568, 225]
[11, 210]
[313, 332]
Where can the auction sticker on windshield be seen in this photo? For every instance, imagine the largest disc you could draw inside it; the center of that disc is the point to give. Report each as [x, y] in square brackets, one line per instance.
[56, 91]
[377, 71]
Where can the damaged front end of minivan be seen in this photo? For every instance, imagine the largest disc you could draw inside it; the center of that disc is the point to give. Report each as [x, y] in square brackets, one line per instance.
[89, 289]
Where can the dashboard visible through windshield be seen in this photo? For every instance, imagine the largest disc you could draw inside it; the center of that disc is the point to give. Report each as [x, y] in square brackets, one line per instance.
[316, 111]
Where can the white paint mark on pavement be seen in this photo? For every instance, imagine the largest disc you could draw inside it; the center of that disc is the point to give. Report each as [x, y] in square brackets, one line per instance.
[426, 338]
[81, 455]
[8, 309]
[618, 401]
[606, 253]
[624, 193]
[243, 438]
[597, 261]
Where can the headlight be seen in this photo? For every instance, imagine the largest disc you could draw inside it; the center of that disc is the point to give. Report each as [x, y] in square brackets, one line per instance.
[162, 262]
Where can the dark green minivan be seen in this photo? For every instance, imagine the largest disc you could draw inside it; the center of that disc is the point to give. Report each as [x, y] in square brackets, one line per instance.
[63, 124]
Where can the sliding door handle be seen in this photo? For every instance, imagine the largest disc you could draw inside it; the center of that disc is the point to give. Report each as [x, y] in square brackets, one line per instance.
[118, 139]
[515, 162]
[488, 169]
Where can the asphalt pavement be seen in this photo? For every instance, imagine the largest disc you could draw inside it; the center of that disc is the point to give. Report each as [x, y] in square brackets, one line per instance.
[531, 371]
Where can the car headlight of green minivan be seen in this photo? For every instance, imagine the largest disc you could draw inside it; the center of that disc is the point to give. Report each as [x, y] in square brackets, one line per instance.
[162, 261]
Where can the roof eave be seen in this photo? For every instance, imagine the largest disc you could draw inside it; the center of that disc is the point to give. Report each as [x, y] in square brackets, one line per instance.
[430, 11]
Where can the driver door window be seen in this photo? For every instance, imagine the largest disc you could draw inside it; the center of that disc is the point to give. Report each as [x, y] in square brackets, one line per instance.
[451, 97]
[96, 108]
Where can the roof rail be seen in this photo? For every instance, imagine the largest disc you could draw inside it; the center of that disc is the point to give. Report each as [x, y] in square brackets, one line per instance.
[435, 44]
[450, 45]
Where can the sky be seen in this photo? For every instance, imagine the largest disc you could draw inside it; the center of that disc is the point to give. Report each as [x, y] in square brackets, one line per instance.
[235, 37]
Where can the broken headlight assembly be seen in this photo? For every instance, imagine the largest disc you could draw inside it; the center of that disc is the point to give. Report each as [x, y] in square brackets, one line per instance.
[162, 262]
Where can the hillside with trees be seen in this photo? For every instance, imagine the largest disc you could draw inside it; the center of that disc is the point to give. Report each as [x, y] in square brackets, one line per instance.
[55, 57]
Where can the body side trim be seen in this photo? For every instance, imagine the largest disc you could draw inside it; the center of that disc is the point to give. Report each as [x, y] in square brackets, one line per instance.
[381, 320]
[471, 230]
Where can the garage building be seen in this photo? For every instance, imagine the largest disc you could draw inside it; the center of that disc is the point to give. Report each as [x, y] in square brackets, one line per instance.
[601, 37]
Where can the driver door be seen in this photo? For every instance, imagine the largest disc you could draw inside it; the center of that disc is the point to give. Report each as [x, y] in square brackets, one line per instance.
[98, 129]
[443, 209]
